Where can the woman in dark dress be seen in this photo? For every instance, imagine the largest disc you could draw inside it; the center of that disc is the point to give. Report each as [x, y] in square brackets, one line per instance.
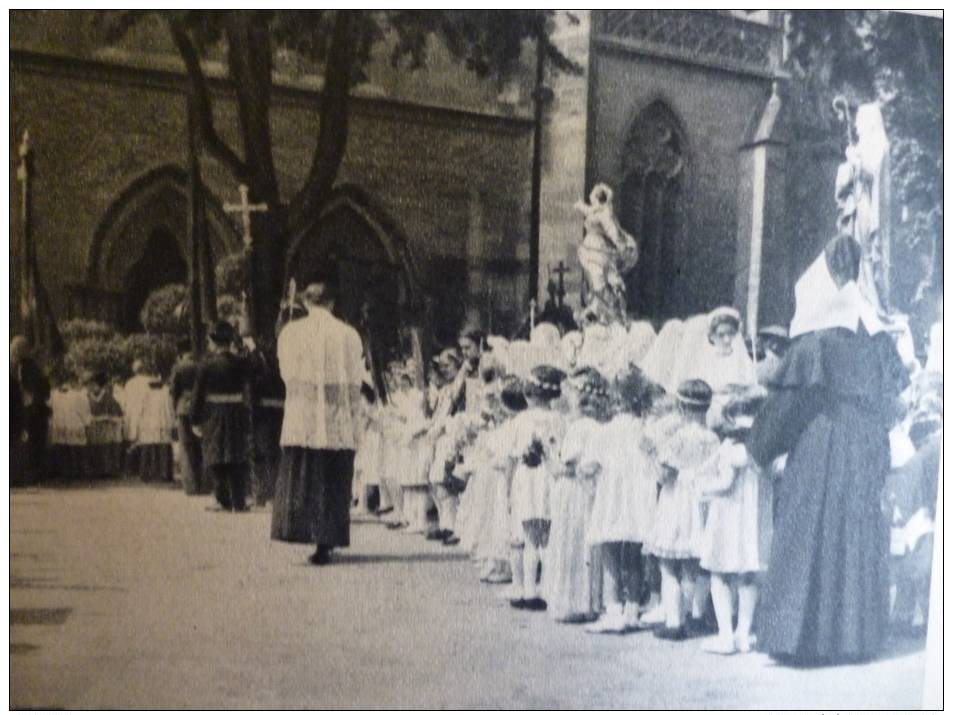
[825, 598]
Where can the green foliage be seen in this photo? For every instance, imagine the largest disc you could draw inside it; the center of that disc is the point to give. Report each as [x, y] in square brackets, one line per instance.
[79, 329]
[157, 352]
[231, 275]
[488, 42]
[166, 311]
[229, 309]
[896, 59]
[90, 355]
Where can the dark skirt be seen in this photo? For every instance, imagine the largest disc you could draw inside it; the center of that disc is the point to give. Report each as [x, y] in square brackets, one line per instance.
[155, 462]
[69, 461]
[313, 497]
[104, 460]
[826, 592]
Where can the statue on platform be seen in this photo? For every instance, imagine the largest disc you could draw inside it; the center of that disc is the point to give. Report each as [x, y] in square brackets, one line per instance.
[606, 253]
[861, 193]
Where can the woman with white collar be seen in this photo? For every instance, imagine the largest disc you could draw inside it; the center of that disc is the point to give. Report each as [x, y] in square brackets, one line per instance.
[825, 598]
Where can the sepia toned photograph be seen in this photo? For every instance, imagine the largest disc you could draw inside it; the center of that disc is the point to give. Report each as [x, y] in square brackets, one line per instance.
[475, 359]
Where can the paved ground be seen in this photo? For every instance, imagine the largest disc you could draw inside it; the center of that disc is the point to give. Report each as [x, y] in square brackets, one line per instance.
[130, 596]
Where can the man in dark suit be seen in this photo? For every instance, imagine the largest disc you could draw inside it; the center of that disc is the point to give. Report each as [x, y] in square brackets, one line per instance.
[221, 417]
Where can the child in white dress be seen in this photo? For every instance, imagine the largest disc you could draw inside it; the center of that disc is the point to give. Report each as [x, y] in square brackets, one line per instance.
[568, 577]
[415, 454]
[675, 535]
[536, 434]
[623, 512]
[736, 541]
[394, 457]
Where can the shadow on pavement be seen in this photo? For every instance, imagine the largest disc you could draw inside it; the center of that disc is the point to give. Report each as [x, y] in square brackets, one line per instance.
[356, 559]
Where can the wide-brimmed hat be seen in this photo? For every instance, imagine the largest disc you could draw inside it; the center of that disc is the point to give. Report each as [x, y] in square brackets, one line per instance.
[221, 333]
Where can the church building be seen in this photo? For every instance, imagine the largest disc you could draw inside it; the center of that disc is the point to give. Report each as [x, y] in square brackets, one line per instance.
[682, 113]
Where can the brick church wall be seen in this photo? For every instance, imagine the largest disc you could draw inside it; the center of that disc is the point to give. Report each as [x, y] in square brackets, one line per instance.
[96, 128]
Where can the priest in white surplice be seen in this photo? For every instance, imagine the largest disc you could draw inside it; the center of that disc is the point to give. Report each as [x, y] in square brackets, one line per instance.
[322, 365]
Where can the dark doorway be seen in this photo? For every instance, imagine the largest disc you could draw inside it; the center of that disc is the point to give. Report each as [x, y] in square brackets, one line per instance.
[160, 264]
[372, 284]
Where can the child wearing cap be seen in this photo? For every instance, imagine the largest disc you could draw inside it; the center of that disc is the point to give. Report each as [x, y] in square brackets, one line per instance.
[674, 538]
[736, 539]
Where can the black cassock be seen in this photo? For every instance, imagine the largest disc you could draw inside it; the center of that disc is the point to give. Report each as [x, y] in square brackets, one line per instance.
[826, 591]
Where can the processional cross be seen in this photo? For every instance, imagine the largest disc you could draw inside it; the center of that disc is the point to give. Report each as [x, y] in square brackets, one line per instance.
[246, 210]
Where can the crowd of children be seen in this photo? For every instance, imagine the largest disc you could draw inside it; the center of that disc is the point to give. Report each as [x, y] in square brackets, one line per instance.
[603, 474]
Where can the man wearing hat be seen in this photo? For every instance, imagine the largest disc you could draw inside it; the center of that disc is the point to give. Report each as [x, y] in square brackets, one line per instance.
[221, 417]
[322, 364]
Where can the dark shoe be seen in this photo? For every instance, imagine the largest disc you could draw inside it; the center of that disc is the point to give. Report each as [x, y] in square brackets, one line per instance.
[239, 509]
[435, 535]
[321, 557]
[535, 604]
[396, 525]
[518, 603]
[381, 512]
[699, 627]
[451, 539]
[671, 634]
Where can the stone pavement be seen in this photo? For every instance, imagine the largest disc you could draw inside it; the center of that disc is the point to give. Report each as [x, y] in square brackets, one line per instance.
[133, 596]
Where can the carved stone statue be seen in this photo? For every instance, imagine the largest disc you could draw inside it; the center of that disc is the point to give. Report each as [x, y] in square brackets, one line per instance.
[606, 253]
[861, 187]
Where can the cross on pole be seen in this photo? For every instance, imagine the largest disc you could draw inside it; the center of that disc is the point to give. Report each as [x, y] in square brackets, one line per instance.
[246, 210]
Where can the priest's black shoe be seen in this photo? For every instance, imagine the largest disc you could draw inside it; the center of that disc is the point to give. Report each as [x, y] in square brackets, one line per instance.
[321, 557]
[535, 604]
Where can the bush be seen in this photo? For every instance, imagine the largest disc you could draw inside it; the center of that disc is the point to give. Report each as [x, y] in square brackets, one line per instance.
[231, 275]
[229, 309]
[157, 352]
[92, 355]
[78, 329]
[166, 311]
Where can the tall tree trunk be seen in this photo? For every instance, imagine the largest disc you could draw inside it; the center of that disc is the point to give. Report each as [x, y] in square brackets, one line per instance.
[249, 62]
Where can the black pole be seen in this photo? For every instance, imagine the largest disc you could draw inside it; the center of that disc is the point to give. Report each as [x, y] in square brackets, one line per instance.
[538, 100]
[196, 226]
[27, 292]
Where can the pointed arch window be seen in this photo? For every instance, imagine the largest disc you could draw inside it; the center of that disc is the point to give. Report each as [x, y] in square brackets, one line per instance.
[653, 169]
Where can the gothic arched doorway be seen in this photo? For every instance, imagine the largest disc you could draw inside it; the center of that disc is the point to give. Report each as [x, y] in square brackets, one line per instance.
[142, 243]
[653, 167]
[379, 293]
[160, 264]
